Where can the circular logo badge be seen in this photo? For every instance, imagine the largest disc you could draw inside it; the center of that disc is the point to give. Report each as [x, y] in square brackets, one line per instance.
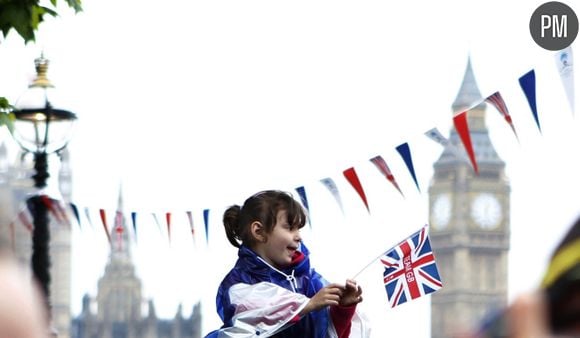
[554, 26]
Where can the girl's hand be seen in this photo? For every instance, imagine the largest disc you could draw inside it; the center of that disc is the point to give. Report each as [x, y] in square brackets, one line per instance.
[352, 294]
[327, 296]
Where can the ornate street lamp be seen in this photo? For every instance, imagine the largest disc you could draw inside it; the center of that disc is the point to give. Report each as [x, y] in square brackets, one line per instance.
[41, 129]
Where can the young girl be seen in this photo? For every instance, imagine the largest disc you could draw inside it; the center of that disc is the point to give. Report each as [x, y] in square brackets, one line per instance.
[272, 290]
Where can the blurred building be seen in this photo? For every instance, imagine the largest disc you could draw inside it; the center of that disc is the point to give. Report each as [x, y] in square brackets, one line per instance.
[470, 218]
[119, 303]
[16, 186]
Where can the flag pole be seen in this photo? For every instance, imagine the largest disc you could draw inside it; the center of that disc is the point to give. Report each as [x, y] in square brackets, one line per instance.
[384, 252]
[369, 264]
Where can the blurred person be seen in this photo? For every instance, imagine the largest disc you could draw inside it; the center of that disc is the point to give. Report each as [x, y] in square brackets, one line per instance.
[272, 290]
[551, 311]
[22, 313]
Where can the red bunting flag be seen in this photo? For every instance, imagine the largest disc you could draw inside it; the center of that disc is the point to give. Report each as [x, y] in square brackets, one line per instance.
[48, 203]
[104, 221]
[23, 217]
[460, 122]
[352, 178]
[380, 163]
[59, 208]
[168, 221]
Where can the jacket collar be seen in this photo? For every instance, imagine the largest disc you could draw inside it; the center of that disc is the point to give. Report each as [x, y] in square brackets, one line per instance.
[249, 259]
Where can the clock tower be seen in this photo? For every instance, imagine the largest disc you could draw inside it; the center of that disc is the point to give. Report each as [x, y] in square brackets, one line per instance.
[469, 216]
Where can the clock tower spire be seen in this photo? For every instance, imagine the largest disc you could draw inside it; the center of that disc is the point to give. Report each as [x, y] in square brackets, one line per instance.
[469, 214]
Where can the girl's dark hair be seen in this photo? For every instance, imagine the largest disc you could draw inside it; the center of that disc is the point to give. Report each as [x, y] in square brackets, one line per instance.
[262, 207]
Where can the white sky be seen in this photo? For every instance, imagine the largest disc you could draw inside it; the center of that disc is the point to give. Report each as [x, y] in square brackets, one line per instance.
[196, 105]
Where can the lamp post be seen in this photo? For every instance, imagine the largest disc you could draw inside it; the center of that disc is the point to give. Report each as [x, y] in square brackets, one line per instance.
[41, 129]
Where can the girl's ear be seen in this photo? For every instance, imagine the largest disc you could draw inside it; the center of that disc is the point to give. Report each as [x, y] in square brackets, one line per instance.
[258, 231]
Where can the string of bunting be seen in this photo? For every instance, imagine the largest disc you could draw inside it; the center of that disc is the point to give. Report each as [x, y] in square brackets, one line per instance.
[527, 84]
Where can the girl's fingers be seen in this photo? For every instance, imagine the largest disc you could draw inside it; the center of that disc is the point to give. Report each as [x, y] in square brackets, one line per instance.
[335, 291]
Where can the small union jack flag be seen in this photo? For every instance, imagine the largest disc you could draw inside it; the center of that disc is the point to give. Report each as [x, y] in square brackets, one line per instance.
[410, 269]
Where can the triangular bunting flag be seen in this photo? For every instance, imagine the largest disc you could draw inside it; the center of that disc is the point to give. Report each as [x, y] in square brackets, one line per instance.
[460, 122]
[405, 152]
[435, 135]
[528, 84]
[352, 178]
[302, 193]
[190, 219]
[206, 223]
[168, 221]
[157, 222]
[380, 163]
[497, 101]
[88, 215]
[565, 65]
[134, 222]
[24, 218]
[331, 186]
[76, 213]
[103, 215]
[50, 205]
[60, 209]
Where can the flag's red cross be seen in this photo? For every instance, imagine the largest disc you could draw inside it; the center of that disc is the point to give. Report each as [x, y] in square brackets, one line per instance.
[408, 269]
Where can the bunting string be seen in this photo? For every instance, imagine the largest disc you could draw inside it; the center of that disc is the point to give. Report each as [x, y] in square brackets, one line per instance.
[527, 83]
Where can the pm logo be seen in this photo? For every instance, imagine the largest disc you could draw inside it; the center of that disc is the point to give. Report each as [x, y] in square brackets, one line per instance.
[554, 26]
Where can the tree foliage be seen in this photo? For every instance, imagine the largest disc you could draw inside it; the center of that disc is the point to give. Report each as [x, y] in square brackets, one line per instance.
[24, 16]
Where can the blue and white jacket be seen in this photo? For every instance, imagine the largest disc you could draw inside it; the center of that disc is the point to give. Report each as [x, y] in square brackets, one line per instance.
[256, 299]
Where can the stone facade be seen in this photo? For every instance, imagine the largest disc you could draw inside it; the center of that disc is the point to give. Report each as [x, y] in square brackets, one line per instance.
[470, 218]
[15, 186]
[119, 301]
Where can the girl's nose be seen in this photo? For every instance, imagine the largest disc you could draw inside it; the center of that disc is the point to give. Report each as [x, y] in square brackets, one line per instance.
[297, 237]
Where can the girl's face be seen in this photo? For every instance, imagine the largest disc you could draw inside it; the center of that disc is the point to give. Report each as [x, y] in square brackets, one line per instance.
[282, 243]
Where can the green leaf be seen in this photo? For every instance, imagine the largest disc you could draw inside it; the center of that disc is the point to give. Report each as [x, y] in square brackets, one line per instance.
[7, 119]
[75, 4]
[49, 11]
[6, 115]
[20, 19]
[4, 104]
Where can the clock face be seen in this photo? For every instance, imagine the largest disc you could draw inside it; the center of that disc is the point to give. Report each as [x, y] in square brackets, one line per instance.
[486, 211]
[441, 211]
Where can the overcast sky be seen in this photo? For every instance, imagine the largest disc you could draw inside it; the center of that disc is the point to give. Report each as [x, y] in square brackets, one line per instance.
[197, 105]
